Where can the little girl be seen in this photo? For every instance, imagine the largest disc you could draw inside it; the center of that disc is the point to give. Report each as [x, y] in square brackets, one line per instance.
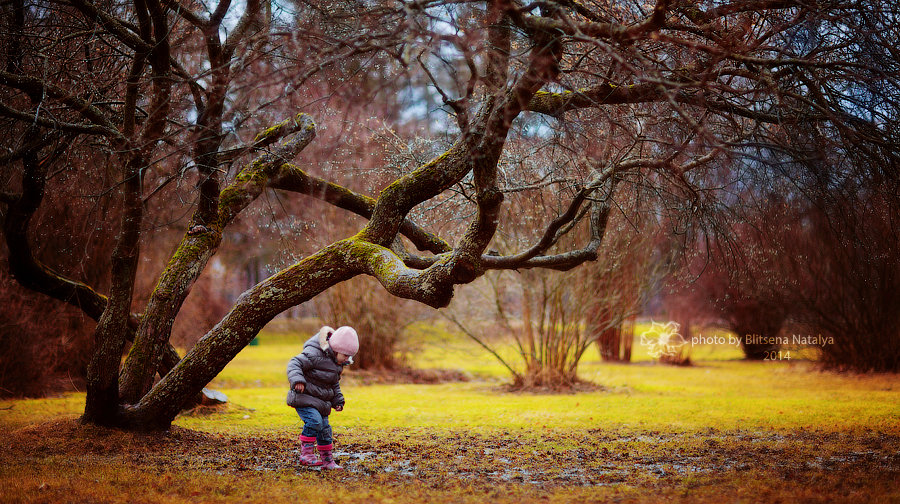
[315, 376]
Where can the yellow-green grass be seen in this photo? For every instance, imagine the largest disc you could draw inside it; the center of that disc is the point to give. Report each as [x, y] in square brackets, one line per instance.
[432, 346]
[720, 391]
[731, 394]
[722, 394]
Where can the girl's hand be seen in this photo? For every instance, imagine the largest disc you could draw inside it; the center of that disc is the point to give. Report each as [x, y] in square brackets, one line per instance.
[338, 408]
[299, 388]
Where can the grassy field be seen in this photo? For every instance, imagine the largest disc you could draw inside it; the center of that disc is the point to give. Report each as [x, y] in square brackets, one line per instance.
[723, 430]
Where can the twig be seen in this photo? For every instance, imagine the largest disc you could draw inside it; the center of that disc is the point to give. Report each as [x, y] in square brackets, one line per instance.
[484, 345]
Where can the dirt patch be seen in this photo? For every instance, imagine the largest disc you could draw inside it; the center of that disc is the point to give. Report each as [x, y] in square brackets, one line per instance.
[547, 460]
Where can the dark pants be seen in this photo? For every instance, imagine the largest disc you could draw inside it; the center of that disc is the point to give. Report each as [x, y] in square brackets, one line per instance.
[315, 425]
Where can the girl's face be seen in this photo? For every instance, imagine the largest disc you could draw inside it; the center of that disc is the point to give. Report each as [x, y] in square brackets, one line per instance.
[341, 358]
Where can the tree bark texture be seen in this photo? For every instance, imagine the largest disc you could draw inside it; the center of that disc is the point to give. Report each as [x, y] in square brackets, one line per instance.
[102, 403]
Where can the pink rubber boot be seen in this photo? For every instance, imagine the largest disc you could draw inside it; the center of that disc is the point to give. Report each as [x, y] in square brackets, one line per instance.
[308, 452]
[328, 457]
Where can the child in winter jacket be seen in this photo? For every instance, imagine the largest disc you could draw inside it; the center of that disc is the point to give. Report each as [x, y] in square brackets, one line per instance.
[315, 376]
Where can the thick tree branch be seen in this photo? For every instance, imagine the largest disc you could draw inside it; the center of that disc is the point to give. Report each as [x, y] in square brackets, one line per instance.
[253, 179]
[207, 149]
[606, 31]
[499, 42]
[37, 276]
[432, 286]
[219, 14]
[247, 21]
[25, 268]
[425, 182]
[159, 57]
[543, 67]
[102, 401]
[556, 104]
[132, 89]
[292, 178]
[263, 140]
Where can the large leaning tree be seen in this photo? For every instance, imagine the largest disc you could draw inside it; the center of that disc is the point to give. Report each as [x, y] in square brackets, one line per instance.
[656, 95]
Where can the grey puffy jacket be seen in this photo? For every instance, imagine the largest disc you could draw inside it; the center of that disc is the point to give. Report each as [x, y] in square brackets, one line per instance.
[317, 369]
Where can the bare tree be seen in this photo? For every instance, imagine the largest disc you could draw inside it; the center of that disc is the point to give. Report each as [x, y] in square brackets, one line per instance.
[733, 280]
[148, 81]
[628, 273]
[372, 312]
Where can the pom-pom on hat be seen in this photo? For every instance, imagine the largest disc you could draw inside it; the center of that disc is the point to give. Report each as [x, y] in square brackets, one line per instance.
[344, 340]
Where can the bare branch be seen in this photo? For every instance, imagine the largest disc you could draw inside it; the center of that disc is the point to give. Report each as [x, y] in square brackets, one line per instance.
[36, 87]
[533, 258]
[219, 14]
[116, 27]
[556, 104]
[473, 337]
[91, 129]
[189, 15]
[551, 233]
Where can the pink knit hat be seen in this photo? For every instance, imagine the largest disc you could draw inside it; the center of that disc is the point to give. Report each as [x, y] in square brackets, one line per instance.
[344, 340]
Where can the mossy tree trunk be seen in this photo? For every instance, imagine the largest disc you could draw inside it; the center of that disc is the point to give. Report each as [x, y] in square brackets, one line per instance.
[197, 247]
